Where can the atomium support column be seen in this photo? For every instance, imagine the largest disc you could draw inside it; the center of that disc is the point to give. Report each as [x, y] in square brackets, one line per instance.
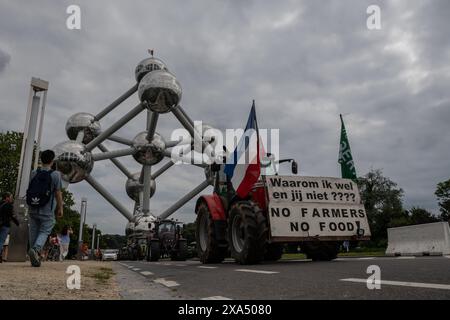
[113, 154]
[118, 101]
[116, 162]
[108, 197]
[177, 205]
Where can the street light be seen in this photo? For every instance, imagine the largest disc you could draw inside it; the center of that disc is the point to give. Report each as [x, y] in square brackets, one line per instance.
[82, 221]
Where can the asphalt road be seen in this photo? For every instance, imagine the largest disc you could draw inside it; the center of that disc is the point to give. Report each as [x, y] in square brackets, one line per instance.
[344, 278]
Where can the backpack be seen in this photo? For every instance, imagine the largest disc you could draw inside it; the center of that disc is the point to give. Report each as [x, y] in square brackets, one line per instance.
[2, 215]
[39, 190]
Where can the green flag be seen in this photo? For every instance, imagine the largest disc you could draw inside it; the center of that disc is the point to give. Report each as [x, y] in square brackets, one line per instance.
[345, 155]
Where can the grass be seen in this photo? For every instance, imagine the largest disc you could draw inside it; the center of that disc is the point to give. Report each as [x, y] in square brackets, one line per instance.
[103, 275]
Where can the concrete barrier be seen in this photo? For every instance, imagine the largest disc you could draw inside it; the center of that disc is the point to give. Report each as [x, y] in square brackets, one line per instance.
[421, 239]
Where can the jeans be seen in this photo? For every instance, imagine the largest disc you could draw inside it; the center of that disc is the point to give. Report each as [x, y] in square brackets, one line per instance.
[3, 235]
[40, 228]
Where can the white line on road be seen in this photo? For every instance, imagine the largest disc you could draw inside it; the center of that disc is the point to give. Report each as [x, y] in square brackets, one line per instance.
[406, 258]
[256, 271]
[167, 283]
[206, 267]
[404, 284]
[136, 269]
[216, 298]
[447, 257]
[129, 267]
[180, 265]
[146, 273]
[366, 258]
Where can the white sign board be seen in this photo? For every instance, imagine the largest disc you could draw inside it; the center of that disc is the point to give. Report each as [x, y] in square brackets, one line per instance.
[314, 207]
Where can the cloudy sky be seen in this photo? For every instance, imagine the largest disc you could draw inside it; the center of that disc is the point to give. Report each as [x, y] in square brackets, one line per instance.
[303, 61]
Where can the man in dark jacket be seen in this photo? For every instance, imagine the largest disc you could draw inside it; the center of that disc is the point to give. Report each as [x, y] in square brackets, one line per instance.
[6, 215]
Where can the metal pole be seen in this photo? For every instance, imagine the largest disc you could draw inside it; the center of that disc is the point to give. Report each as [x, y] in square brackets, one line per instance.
[117, 163]
[151, 124]
[120, 140]
[80, 233]
[94, 226]
[161, 170]
[186, 115]
[113, 154]
[41, 125]
[29, 146]
[116, 126]
[177, 205]
[119, 100]
[98, 241]
[108, 197]
[147, 190]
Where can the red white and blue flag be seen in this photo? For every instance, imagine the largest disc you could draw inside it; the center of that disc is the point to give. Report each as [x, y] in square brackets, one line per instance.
[243, 167]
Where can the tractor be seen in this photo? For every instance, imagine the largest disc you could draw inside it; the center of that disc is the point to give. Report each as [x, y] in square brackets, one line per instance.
[166, 240]
[227, 224]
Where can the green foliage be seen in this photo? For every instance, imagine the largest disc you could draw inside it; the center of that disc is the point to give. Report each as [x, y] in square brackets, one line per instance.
[443, 195]
[383, 202]
[10, 148]
[189, 232]
[113, 241]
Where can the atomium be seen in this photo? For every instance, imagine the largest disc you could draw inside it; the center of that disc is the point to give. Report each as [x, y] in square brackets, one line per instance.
[134, 187]
[83, 122]
[73, 161]
[161, 90]
[159, 93]
[148, 153]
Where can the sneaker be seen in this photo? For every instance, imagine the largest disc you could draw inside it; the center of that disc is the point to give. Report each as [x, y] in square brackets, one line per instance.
[34, 258]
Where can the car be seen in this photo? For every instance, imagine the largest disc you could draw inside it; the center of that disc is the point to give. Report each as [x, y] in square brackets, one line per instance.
[109, 254]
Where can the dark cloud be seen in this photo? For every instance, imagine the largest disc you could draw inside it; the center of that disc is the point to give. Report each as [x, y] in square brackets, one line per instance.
[303, 61]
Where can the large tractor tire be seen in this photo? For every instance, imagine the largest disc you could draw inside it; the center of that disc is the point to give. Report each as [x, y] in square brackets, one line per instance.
[274, 251]
[153, 250]
[321, 251]
[209, 249]
[180, 254]
[247, 232]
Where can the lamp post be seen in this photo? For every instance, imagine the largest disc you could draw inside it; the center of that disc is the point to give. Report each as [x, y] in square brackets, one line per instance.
[82, 221]
[94, 226]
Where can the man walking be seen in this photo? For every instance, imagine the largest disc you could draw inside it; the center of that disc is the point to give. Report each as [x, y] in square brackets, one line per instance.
[43, 197]
[6, 215]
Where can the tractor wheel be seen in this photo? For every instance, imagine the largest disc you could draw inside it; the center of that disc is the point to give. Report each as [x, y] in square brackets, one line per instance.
[274, 251]
[153, 250]
[209, 249]
[321, 251]
[247, 232]
[180, 254]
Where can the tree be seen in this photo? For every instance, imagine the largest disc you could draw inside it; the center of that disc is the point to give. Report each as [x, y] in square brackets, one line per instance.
[420, 216]
[382, 200]
[443, 195]
[10, 148]
[189, 232]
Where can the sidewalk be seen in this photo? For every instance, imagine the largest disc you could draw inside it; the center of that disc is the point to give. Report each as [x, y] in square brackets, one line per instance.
[18, 280]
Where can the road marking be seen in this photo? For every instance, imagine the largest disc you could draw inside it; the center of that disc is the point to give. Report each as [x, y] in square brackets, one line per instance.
[129, 267]
[180, 265]
[206, 267]
[405, 258]
[166, 264]
[216, 298]
[167, 283]
[447, 257]
[256, 271]
[136, 269]
[366, 258]
[146, 273]
[404, 284]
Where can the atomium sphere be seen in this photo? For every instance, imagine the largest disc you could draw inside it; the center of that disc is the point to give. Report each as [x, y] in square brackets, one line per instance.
[144, 223]
[73, 161]
[85, 122]
[148, 153]
[134, 187]
[161, 90]
[148, 65]
[129, 229]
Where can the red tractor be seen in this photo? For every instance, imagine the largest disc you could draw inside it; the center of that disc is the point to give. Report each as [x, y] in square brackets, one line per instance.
[226, 223]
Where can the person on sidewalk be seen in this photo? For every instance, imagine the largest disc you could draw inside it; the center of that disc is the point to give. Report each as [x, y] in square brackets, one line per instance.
[43, 197]
[64, 241]
[6, 216]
